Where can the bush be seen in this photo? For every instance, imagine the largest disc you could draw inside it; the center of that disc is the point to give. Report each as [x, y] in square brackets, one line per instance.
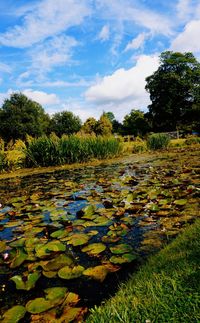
[192, 140]
[158, 141]
[139, 146]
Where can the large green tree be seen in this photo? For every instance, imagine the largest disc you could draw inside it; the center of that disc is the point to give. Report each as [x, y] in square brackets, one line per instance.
[89, 126]
[135, 123]
[104, 126]
[65, 122]
[175, 92]
[20, 115]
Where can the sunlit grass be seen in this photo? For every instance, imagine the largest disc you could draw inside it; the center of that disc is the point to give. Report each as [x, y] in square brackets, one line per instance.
[166, 289]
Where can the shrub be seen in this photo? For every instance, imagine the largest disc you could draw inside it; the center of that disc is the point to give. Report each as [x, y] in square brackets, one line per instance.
[192, 140]
[158, 141]
[139, 146]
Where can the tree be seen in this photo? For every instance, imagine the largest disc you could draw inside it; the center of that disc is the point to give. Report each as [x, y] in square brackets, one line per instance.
[174, 91]
[20, 115]
[135, 123]
[104, 126]
[89, 126]
[65, 123]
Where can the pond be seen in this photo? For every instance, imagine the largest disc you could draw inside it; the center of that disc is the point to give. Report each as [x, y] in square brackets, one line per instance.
[69, 237]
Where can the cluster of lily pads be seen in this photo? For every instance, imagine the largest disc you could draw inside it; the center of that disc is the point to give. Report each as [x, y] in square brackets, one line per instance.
[59, 230]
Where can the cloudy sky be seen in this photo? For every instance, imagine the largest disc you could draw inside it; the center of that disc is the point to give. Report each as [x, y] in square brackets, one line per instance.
[89, 56]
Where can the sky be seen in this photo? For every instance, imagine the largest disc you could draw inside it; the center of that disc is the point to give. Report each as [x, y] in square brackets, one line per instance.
[90, 56]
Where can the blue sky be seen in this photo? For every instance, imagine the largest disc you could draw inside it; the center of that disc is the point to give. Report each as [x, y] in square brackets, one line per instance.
[90, 56]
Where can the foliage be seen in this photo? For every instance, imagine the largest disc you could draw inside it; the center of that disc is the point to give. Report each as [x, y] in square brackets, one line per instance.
[89, 126]
[135, 123]
[158, 141]
[139, 146]
[49, 151]
[192, 140]
[104, 126]
[175, 92]
[65, 123]
[166, 289]
[20, 116]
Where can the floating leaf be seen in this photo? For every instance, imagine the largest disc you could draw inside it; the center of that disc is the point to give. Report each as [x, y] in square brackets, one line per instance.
[49, 274]
[153, 207]
[17, 243]
[71, 273]
[20, 257]
[55, 293]
[57, 263]
[180, 202]
[78, 239]
[121, 248]
[46, 249]
[14, 314]
[27, 284]
[97, 273]
[127, 257]
[87, 211]
[38, 305]
[94, 248]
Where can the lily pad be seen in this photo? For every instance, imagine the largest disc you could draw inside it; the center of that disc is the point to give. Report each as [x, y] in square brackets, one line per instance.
[87, 211]
[46, 249]
[94, 248]
[57, 263]
[39, 305]
[78, 239]
[2, 246]
[121, 248]
[20, 257]
[125, 258]
[55, 293]
[27, 284]
[14, 314]
[180, 202]
[71, 272]
[98, 273]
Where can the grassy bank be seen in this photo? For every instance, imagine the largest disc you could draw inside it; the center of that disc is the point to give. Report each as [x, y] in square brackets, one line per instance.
[166, 289]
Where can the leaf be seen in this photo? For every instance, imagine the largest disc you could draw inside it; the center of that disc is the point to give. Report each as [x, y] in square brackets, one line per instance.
[87, 211]
[44, 250]
[180, 202]
[55, 293]
[121, 248]
[71, 273]
[98, 273]
[78, 239]
[57, 263]
[127, 257]
[28, 284]
[153, 207]
[38, 305]
[2, 246]
[14, 314]
[94, 248]
[20, 257]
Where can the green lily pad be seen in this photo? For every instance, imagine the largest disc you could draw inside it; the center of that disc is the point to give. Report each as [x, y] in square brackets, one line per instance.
[49, 274]
[125, 258]
[38, 305]
[71, 272]
[57, 263]
[59, 234]
[153, 207]
[20, 257]
[180, 202]
[87, 211]
[78, 239]
[17, 243]
[98, 273]
[14, 314]
[27, 284]
[121, 248]
[94, 248]
[55, 293]
[46, 249]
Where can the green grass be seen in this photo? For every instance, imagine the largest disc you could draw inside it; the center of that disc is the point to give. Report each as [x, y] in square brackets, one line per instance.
[165, 289]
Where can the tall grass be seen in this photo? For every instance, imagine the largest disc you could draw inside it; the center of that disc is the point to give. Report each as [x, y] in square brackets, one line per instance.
[51, 151]
[158, 141]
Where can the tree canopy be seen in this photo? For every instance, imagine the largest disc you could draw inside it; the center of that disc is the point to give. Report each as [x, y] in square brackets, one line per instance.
[65, 122]
[20, 115]
[135, 123]
[174, 91]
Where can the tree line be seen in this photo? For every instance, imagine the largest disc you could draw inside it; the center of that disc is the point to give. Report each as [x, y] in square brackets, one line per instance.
[174, 91]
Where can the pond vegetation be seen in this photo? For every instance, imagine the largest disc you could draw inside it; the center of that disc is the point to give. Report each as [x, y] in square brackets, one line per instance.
[70, 234]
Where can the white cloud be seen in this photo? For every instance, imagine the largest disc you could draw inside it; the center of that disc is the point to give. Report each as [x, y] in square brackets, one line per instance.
[104, 33]
[137, 42]
[129, 11]
[47, 19]
[5, 68]
[123, 84]
[54, 52]
[188, 40]
[42, 97]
